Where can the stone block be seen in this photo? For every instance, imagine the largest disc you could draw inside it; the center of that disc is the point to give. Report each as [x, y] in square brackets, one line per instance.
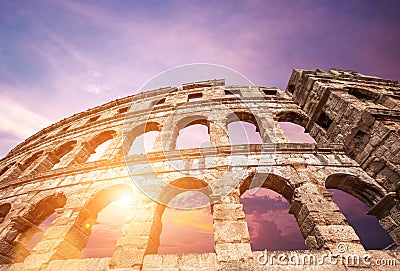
[231, 232]
[136, 242]
[170, 261]
[126, 258]
[152, 262]
[188, 261]
[231, 212]
[334, 234]
[232, 252]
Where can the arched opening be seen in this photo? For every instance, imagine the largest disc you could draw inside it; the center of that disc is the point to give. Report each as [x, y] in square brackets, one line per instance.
[292, 124]
[58, 156]
[5, 169]
[296, 133]
[144, 143]
[193, 136]
[32, 225]
[28, 162]
[270, 224]
[187, 225]
[4, 210]
[190, 132]
[292, 116]
[368, 229]
[241, 132]
[100, 144]
[38, 235]
[99, 151]
[187, 230]
[107, 229]
[141, 139]
[354, 199]
[266, 203]
[103, 223]
[243, 129]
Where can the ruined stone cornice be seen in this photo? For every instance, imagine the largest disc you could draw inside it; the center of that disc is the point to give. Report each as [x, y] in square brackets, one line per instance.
[382, 113]
[117, 119]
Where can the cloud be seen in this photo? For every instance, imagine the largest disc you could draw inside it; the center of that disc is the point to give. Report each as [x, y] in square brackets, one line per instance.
[253, 204]
[270, 224]
[16, 121]
[198, 220]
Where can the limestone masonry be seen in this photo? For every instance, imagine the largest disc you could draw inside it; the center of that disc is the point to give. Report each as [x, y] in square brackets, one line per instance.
[354, 118]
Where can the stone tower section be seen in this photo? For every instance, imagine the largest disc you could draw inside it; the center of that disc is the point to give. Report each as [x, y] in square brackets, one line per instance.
[363, 114]
[61, 171]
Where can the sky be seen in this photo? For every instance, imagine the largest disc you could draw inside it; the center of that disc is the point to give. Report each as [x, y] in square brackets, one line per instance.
[58, 58]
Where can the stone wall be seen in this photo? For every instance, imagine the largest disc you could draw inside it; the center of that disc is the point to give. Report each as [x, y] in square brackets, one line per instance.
[52, 172]
[362, 113]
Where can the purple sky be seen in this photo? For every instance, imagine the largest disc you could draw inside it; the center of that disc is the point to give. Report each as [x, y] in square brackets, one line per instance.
[58, 58]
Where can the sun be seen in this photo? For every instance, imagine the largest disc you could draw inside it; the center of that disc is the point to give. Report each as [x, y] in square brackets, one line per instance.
[126, 199]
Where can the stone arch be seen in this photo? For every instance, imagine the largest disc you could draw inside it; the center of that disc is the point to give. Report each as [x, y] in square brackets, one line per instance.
[367, 192]
[291, 126]
[380, 203]
[98, 140]
[29, 161]
[186, 122]
[4, 210]
[104, 196]
[174, 188]
[321, 223]
[184, 184]
[59, 153]
[247, 117]
[293, 116]
[275, 182]
[243, 116]
[88, 213]
[135, 132]
[102, 137]
[285, 188]
[88, 147]
[6, 169]
[22, 227]
[44, 207]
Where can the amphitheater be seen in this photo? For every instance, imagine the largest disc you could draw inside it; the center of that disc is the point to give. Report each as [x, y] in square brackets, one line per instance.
[354, 118]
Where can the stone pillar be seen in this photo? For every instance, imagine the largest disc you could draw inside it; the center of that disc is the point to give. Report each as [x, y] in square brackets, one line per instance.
[44, 163]
[322, 224]
[231, 235]
[69, 157]
[82, 154]
[387, 210]
[66, 237]
[266, 126]
[218, 133]
[114, 147]
[165, 141]
[280, 135]
[140, 235]
[12, 243]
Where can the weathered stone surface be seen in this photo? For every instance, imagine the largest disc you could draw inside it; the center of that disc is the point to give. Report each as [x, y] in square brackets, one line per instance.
[351, 116]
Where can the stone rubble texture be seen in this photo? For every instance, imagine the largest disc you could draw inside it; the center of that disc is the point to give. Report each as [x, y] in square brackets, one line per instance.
[354, 119]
